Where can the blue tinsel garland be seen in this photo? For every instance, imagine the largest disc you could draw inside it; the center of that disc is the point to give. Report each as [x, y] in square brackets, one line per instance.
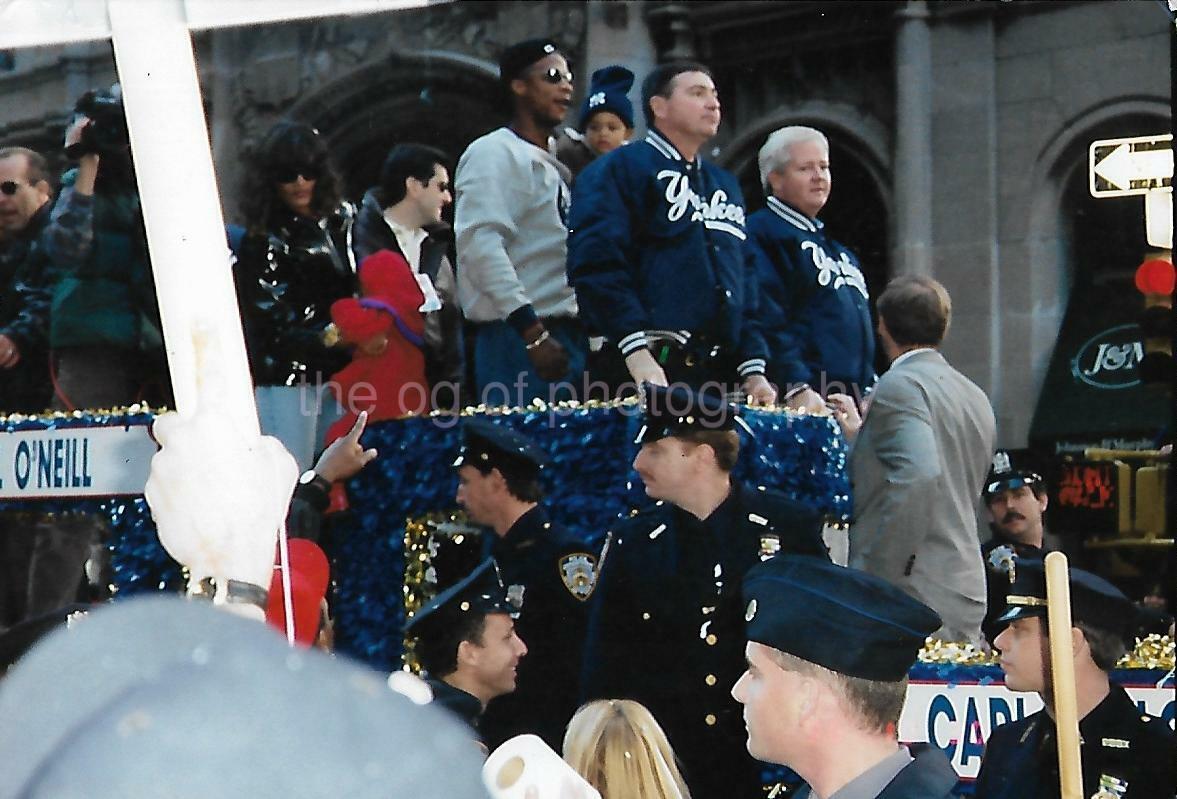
[589, 482]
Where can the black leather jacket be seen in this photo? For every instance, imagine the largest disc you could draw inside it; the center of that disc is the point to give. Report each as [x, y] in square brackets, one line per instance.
[286, 282]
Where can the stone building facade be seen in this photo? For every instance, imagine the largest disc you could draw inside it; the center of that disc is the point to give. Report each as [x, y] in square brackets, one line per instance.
[959, 130]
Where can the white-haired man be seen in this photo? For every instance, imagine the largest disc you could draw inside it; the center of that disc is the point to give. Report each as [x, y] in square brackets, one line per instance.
[813, 298]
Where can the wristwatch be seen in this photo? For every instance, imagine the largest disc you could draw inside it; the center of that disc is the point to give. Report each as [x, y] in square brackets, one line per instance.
[312, 478]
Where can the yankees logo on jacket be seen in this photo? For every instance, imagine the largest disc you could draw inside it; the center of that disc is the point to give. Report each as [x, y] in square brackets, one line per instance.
[813, 301]
[658, 243]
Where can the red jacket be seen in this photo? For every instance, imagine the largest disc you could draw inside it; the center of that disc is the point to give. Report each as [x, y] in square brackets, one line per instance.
[386, 376]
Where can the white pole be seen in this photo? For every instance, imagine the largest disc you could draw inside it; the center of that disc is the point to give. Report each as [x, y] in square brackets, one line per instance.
[181, 208]
[218, 490]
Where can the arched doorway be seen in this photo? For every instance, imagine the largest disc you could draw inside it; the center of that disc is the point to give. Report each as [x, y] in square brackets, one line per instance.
[857, 213]
[441, 99]
[1092, 251]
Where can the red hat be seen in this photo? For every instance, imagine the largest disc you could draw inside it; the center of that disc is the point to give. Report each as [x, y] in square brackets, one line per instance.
[309, 575]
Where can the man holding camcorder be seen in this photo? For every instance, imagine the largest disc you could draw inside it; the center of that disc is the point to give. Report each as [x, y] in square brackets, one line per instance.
[107, 350]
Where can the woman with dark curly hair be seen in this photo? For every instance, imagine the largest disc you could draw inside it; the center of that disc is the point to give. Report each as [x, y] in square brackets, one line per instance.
[294, 259]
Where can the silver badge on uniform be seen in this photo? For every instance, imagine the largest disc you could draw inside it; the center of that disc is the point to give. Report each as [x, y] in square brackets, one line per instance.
[1110, 788]
[578, 571]
[770, 544]
[1001, 462]
[1002, 560]
[515, 596]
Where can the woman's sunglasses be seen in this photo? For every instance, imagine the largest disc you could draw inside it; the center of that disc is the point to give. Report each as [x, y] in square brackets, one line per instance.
[291, 173]
[553, 75]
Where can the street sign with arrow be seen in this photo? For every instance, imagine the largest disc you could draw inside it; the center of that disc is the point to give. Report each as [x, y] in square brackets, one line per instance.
[1142, 165]
[1124, 167]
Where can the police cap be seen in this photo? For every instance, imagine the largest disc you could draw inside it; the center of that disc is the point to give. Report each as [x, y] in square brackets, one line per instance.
[486, 446]
[677, 410]
[844, 619]
[1094, 601]
[481, 591]
[1011, 468]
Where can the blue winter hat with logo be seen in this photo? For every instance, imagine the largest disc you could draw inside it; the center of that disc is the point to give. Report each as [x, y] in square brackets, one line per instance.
[608, 92]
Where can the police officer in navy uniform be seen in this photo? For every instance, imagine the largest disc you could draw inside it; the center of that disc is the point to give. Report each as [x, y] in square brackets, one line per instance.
[1125, 754]
[828, 653]
[499, 486]
[466, 643]
[1015, 496]
[667, 626]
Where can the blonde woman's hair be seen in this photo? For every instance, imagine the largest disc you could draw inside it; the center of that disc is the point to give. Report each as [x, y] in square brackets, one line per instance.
[621, 750]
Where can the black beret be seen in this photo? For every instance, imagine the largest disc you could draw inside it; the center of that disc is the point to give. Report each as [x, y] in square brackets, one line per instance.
[521, 55]
[844, 619]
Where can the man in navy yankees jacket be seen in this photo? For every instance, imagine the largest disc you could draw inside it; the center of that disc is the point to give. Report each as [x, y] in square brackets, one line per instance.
[656, 250]
[813, 298]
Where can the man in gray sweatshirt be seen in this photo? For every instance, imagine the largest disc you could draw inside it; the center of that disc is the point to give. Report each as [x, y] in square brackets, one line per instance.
[511, 199]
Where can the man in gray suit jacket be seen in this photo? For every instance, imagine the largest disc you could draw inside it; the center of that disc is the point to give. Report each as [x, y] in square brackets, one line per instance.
[919, 461]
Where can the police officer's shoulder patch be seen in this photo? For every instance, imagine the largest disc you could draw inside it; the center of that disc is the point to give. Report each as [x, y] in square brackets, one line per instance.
[578, 572]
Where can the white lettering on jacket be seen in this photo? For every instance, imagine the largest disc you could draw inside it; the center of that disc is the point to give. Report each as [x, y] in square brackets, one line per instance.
[716, 213]
[838, 272]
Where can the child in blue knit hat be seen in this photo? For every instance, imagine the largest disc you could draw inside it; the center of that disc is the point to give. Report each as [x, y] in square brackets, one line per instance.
[606, 119]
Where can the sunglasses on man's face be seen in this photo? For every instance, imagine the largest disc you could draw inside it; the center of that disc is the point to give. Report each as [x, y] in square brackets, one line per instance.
[554, 75]
[11, 187]
[289, 174]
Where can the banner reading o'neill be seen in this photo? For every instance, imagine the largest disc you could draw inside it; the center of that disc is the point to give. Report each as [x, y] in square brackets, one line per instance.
[75, 462]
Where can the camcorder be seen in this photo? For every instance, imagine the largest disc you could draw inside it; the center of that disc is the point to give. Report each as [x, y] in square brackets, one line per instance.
[107, 131]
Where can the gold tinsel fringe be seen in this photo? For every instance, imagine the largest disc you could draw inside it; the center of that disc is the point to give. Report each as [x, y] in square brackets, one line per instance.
[48, 416]
[1153, 652]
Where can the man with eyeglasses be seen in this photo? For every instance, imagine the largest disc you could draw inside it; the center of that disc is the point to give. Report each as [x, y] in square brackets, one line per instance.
[657, 250]
[403, 214]
[511, 198]
[24, 303]
[24, 321]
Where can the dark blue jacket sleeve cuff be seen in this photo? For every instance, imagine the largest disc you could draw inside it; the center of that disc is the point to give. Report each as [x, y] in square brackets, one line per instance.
[522, 318]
